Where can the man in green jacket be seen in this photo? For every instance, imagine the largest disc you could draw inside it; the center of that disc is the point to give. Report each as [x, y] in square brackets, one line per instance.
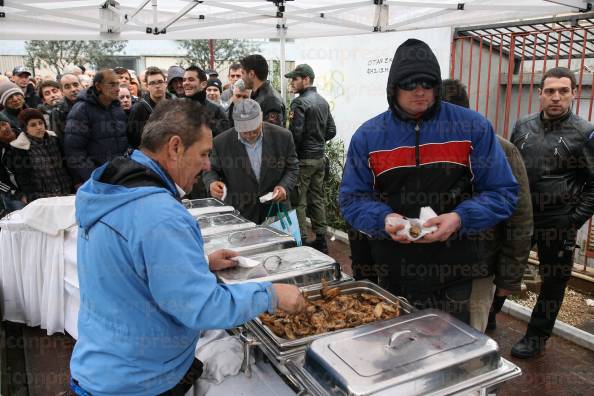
[312, 125]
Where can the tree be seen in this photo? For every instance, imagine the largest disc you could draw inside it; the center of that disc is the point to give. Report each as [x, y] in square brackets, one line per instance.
[197, 51]
[61, 53]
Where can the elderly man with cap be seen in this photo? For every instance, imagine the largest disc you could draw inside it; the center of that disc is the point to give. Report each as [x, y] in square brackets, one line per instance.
[250, 160]
[13, 101]
[422, 152]
[312, 125]
[20, 76]
[175, 81]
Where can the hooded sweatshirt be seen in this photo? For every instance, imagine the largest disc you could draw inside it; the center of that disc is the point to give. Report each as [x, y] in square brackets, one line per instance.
[145, 287]
[398, 165]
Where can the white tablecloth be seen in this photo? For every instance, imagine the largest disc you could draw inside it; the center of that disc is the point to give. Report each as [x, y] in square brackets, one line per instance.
[32, 274]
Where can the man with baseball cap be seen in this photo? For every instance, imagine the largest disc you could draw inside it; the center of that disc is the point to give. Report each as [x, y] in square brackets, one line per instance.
[312, 125]
[250, 160]
[20, 76]
[424, 152]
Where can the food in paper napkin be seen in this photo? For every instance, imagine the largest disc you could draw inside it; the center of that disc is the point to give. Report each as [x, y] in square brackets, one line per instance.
[245, 262]
[334, 311]
[267, 197]
[413, 228]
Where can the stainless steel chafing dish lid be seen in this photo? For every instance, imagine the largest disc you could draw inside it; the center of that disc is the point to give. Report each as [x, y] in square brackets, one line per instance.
[419, 353]
[217, 223]
[299, 265]
[250, 241]
[202, 203]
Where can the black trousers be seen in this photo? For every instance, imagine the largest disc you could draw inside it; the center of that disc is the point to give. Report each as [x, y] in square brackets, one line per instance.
[362, 262]
[453, 299]
[555, 254]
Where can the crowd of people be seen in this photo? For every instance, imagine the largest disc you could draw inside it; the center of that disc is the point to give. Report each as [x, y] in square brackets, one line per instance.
[134, 150]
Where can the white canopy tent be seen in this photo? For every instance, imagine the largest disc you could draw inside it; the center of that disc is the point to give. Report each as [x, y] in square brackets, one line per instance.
[193, 19]
[280, 19]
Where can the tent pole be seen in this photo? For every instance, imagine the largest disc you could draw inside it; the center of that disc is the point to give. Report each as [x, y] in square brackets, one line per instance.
[283, 83]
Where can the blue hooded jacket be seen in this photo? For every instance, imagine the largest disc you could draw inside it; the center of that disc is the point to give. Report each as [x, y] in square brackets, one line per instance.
[145, 288]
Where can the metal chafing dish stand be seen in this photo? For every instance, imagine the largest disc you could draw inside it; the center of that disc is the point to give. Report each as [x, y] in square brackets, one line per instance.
[249, 241]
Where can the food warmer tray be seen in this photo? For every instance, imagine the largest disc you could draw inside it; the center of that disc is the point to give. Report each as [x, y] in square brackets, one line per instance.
[283, 348]
[300, 266]
[202, 203]
[218, 223]
[249, 241]
[423, 353]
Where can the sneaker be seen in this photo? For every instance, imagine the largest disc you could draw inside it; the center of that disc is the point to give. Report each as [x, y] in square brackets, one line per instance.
[319, 244]
[528, 347]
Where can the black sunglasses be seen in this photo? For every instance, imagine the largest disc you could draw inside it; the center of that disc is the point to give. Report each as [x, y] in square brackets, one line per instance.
[411, 85]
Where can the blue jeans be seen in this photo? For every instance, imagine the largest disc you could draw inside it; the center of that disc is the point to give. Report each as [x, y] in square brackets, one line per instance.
[9, 203]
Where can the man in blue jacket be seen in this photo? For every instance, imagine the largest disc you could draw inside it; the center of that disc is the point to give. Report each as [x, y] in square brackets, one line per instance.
[422, 152]
[96, 127]
[146, 288]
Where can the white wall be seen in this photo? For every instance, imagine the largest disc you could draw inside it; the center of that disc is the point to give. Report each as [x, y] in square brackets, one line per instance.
[352, 71]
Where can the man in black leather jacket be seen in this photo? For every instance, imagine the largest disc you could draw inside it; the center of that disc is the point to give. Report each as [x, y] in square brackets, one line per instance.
[558, 149]
[254, 73]
[312, 125]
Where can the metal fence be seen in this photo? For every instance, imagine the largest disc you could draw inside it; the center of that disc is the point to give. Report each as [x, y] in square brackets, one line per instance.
[502, 67]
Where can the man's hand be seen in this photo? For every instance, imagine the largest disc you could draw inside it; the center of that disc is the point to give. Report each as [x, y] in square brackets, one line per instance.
[217, 189]
[279, 193]
[446, 224]
[220, 259]
[289, 297]
[392, 230]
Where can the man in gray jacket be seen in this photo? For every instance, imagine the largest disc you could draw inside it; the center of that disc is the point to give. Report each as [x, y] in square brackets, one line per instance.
[250, 160]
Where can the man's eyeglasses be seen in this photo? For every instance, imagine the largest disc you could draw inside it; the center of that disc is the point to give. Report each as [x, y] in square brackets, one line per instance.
[411, 85]
[155, 83]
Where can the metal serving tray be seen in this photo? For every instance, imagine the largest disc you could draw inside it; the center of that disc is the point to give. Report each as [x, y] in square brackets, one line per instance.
[218, 223]
[301, 266]
[283, 346]
[425, 352]
[249, 241]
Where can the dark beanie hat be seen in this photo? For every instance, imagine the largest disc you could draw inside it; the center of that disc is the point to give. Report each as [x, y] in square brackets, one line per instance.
[413, 59]
[215, 82]
[27, 115]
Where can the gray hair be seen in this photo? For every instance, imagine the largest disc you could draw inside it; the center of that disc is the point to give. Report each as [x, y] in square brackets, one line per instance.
[181, 117]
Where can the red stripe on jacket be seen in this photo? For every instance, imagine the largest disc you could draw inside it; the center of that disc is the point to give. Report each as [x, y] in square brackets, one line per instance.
[457, 152]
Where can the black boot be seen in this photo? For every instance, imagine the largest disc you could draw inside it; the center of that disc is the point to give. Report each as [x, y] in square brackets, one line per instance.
[529, 346]
[319, 243]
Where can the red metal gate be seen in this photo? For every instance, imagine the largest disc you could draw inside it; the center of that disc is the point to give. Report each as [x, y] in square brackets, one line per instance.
[502, 70]
[502, 65]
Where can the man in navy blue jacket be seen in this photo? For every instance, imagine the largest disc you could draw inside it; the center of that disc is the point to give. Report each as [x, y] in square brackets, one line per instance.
[96, 127]
[422, 152]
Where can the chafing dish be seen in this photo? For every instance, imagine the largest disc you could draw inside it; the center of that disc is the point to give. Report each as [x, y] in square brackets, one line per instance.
[282, 348]
[249, 241]
[423, 353]
[202, 203]
[218, 223]
[301, 266]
